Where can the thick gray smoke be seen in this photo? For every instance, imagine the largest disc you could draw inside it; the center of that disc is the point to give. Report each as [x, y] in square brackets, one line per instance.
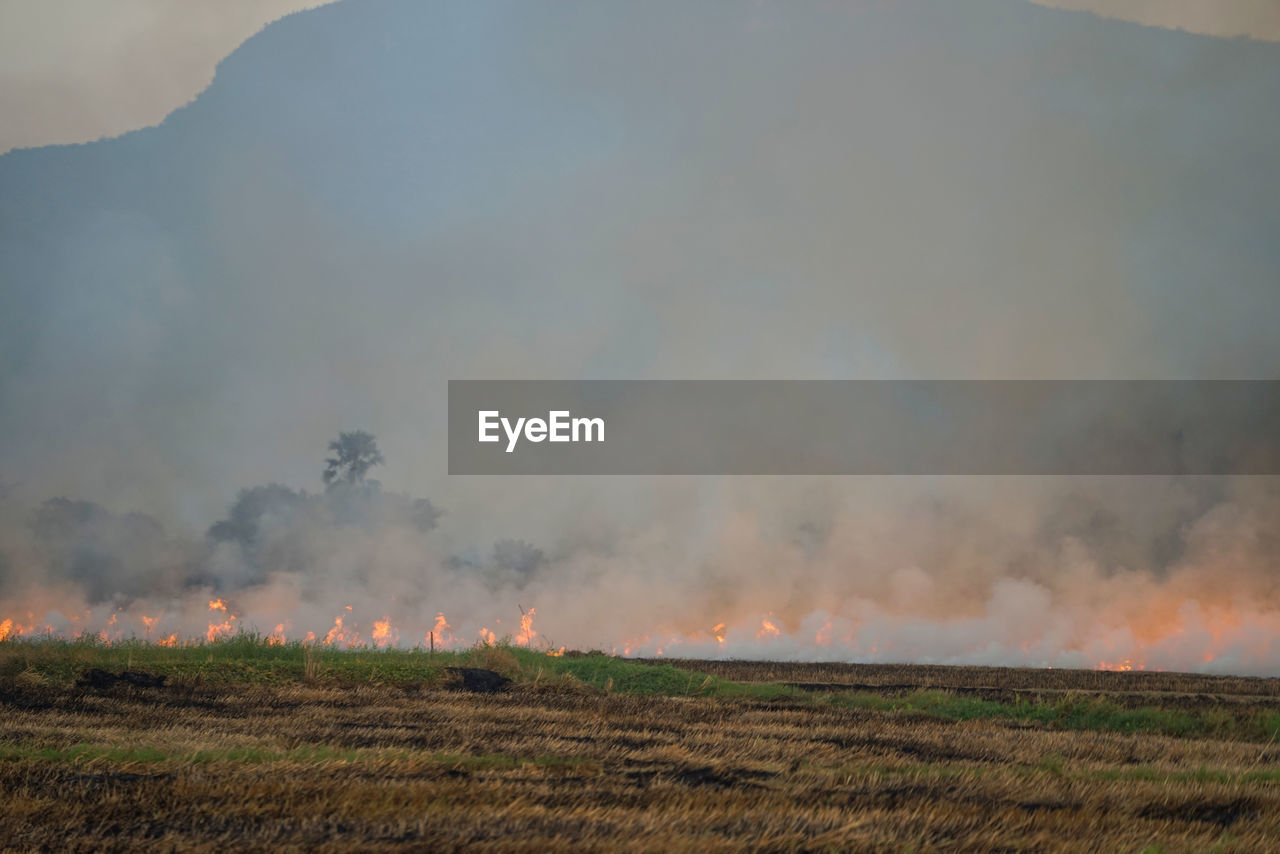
[379, 195]
[1161, 573]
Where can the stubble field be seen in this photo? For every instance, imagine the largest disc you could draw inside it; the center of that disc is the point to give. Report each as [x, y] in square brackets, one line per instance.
[251, 746]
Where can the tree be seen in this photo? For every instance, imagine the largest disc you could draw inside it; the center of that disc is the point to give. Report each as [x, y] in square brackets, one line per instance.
[354, 454]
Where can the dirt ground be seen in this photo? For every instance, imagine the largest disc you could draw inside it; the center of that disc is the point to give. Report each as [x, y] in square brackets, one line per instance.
[298, 767]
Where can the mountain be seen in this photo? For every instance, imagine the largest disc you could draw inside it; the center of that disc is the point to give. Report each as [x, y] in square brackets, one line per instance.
[377, 195]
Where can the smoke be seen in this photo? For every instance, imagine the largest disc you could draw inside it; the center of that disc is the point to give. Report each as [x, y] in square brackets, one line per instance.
[374, 197]
[991, 571]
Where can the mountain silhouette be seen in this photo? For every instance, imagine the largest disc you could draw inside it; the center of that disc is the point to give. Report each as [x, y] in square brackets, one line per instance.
[375, 195]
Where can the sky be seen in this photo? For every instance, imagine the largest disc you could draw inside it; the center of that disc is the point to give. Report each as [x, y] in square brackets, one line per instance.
[375, 196]
[78, 70]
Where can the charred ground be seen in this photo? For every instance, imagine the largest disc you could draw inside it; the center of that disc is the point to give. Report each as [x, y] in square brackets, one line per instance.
[243, 744]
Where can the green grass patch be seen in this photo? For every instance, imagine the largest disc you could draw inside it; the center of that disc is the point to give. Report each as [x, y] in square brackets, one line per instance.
[250, 659]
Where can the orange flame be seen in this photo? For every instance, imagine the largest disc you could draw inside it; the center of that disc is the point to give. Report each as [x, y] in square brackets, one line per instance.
[335, 634]
[823, 637]
[384, 634]
[223, 629]
[441, 634]
[526, 634]
[1122, 666]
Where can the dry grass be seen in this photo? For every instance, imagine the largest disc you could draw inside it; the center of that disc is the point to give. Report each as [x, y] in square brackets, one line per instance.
[881, 677]
[557, 763]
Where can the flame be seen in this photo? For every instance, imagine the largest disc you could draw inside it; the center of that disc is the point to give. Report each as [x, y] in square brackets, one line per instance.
[335, 633]
[526, 634]
[384, 634]
[441, 634]
[224, 629]
[1121, 666]
[1166, 632]
[718, 632]
[630, 645]
[823, 636]
[339, 634]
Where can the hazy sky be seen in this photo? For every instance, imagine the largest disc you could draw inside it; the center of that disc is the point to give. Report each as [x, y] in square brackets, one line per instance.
[1259, 19]
[78, 70]
[376, 196]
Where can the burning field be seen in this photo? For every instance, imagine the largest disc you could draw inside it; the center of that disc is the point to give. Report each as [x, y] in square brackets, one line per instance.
[1094, 667]
[253, 594]
[244, 742]
[1173, 574]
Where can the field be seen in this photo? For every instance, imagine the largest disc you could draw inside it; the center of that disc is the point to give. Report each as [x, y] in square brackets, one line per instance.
[250, 745]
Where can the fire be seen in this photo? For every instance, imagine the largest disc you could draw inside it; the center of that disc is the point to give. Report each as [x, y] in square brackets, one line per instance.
[334, 634]
[338, 633]
[441, 634]
[1173, 633]
[635, 644]
[384, 634]
[224, 629]
[823, 637]
[526, 634]
[1122, 666]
